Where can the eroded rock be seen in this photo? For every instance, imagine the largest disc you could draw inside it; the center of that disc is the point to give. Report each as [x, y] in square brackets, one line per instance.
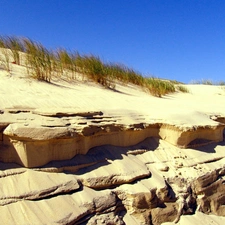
[28, 136]
[211, 190]
[75, 208]
[112, 173]
[168, 213]
[33, 185]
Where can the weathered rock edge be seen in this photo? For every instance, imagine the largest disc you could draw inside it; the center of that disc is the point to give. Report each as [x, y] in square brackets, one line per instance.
[32, 146]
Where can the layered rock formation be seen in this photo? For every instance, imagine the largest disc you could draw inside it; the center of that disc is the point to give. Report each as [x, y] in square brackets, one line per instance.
[90, 168]
[31, 144]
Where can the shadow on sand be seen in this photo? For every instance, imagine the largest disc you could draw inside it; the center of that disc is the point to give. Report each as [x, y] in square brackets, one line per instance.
[99, 156]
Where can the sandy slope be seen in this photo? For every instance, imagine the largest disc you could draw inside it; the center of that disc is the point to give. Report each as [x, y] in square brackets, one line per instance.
[192, 108]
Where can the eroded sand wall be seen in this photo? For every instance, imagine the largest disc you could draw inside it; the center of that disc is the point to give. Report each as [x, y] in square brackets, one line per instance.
[33, 152]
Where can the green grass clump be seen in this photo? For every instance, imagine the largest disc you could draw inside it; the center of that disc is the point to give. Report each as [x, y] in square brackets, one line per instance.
[221, 83]
[42, 64]
[208, 82]
[174, 81]
[203, 81]
[5, 56]
[94, 69]
[124, 74]
[11, 48]
[16, 46]
[135, 78]
[182, 88]
[159, 87]
[106, 74]
[65, 63]
[39, 61]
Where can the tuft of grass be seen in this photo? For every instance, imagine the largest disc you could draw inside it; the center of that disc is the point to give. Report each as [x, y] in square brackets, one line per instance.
[203, 81]
[117, 72]
[16, 46]
[39, 61]
[94, 69]
[159, 87]
[174, 81]
[221, 83]
[42, 64]
[4, 56]
[208, 82]
[65, 63]
[182, 88]
[2, 42]
[135, 78]
[106, 74]
[124, 74]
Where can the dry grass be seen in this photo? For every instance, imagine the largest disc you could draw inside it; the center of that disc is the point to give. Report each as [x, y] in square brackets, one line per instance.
[4, 56]
[208, 82]
[159, 87]
[65, 63]
[43, 64]
[182, 88]
[39, 61]
[94, 69]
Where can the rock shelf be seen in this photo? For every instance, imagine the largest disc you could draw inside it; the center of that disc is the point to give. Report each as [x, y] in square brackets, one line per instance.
[62, 138]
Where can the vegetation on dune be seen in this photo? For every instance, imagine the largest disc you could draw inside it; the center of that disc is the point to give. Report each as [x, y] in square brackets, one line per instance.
[159, 87]
[94, 69]
[39, 61]
[65, 63]
[208, 82]
[16, 46]
[5, 56]
[182, 88]
[42, 64]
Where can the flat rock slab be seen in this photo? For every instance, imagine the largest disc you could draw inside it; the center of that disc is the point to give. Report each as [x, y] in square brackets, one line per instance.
[29, 184]
[63, 209]
[113, 172]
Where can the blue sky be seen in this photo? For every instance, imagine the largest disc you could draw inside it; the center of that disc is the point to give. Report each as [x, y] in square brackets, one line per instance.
[174, 39]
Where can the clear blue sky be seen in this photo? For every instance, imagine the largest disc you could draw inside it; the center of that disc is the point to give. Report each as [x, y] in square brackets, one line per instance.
[174, 39]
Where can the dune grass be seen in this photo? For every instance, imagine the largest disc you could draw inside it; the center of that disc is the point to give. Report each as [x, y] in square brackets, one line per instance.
[125, 74]
[182, 88]
[11, 48]
[5, 56]
[16, 46]
[94, 69]
[208, 82]
[159, 87]
[202, 81]
[39, 60]
[65, 63]
[42, 64]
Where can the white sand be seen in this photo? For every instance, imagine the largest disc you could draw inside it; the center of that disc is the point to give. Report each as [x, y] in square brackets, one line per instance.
[179, 108]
